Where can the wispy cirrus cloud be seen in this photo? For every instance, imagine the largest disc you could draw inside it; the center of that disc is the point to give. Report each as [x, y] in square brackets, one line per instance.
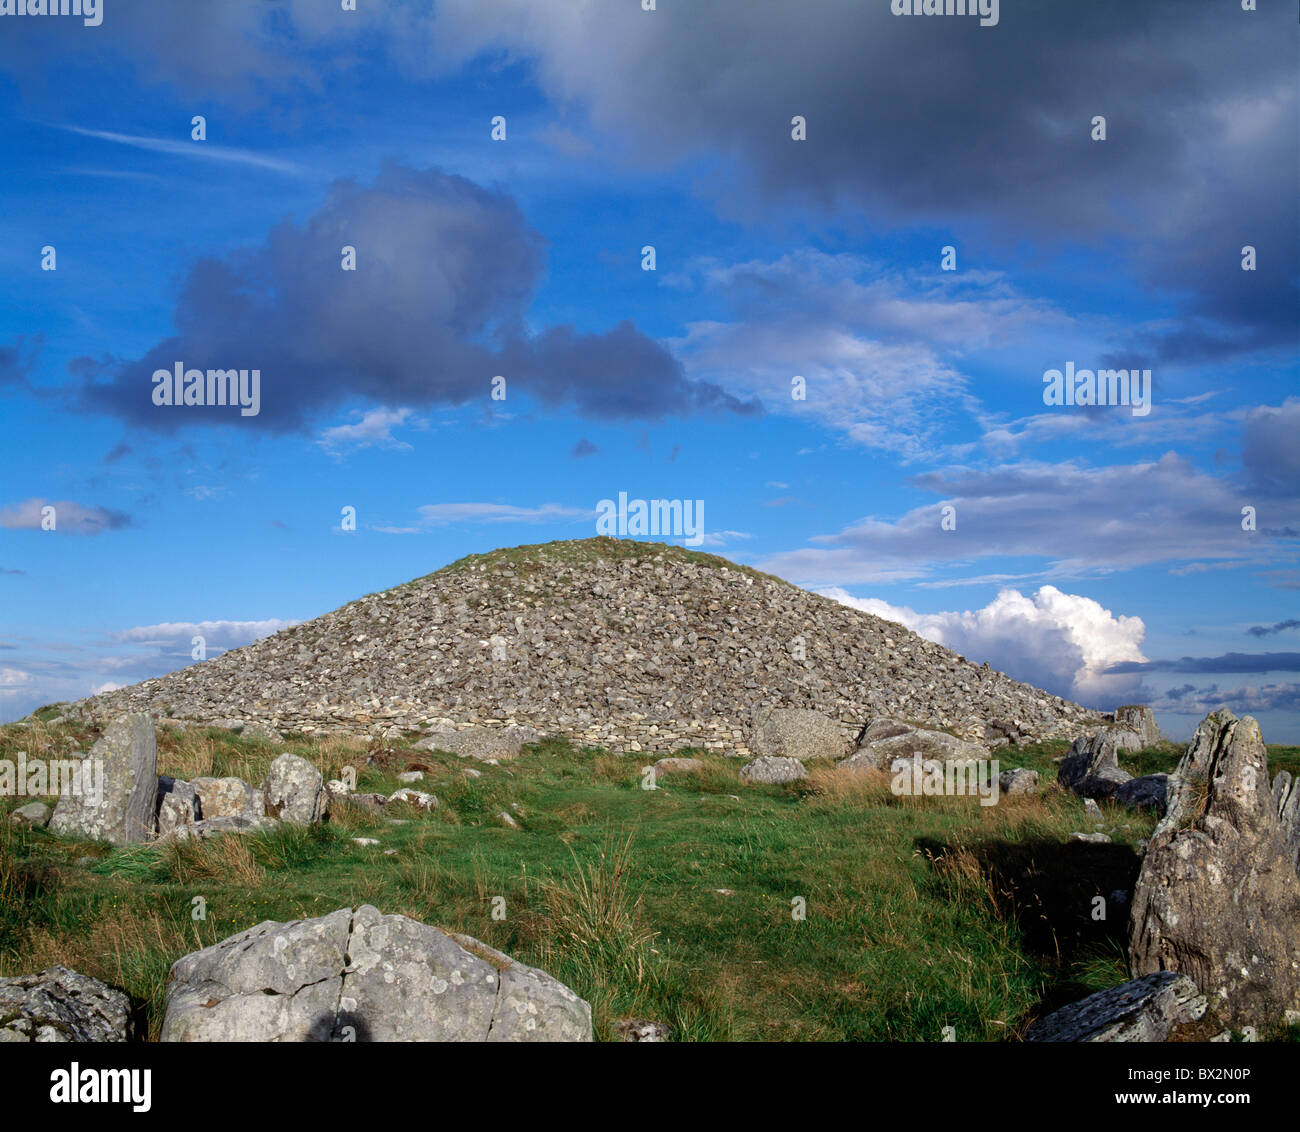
[1065, 514]
[432, 515]
[198, 150]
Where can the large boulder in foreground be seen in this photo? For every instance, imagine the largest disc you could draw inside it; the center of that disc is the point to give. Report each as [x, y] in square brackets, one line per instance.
[118, 790]
[795, 733]
[59, 1005]
[1144, 1010]
[1218, 898]
[358, 975]
[295, 791]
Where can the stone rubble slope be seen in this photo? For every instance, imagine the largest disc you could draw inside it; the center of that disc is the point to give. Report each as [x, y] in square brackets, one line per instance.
[626, 645]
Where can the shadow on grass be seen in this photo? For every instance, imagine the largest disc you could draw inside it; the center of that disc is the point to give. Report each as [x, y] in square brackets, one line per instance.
[1048, 889]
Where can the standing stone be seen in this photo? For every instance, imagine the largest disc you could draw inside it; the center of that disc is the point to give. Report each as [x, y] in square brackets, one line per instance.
[127, 756]
[59, 1005]
[795, 733]
[1218, 898]
[1140, 719]
[1144, 1010]
[295, 791]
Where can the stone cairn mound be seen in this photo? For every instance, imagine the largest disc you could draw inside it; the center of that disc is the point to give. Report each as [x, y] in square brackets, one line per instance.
[623, 644]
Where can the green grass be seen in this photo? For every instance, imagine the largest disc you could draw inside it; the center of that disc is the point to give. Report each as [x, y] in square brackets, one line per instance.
[920, 912]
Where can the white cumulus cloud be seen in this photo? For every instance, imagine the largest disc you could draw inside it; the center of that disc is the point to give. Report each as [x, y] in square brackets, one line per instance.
[1057, 641]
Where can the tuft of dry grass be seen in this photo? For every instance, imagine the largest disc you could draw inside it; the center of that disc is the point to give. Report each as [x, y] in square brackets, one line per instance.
[594, 918]
[832, 786]
[614, 768]
[185, 754]
[227, 859]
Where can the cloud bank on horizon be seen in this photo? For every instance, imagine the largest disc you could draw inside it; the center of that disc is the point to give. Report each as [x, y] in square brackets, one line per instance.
[808, 267]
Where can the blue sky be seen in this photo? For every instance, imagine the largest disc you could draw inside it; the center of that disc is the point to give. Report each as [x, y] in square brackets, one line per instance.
[1096, 552]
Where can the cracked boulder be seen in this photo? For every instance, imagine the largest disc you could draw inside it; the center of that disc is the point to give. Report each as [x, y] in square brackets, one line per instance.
[1218, 898]
[59, 1005]
[358, 975]
[178, 805]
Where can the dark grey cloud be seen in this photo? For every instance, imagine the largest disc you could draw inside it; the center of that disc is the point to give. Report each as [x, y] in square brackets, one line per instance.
[584, 447]
[940, 122]
[18, 360]
[927, 120]
[1191, 700]
[1265, 630]
[445, 270]
[1269, 451]
[1228, 662]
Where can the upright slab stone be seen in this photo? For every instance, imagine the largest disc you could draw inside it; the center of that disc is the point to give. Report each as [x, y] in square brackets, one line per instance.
[1218, 898]
[122, 767]
[1140, 719]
